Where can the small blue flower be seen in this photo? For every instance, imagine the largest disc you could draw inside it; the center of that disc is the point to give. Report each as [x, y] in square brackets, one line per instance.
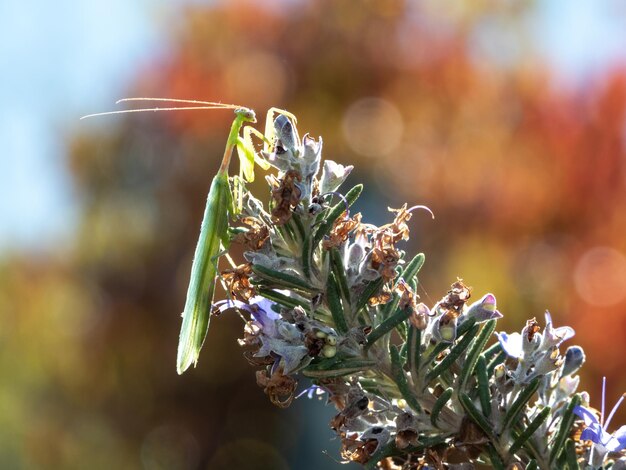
[596, 430]
[512, 344]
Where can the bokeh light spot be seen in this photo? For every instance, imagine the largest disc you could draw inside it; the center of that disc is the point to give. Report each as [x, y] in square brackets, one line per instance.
[600, 276]
[373, 127]
[247, 454]
[169, 447]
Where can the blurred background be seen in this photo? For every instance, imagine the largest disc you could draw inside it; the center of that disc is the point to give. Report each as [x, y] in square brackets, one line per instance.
[508, 119]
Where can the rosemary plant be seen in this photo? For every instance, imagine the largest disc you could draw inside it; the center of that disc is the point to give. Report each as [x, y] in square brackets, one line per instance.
[331, 298]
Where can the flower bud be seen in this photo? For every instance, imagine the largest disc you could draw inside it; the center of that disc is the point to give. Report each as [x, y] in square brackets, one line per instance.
[329, 351]
[499, 371]
[419, 317]
[445, 327]
[483, 309]
[333, 174]
[285, 132]
[574, 359]
[311, 157]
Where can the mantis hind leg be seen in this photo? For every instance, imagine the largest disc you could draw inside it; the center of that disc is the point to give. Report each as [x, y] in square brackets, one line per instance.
[215, 261]
[218, 277]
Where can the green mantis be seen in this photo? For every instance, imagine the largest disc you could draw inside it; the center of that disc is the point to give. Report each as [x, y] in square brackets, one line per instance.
[221, 204]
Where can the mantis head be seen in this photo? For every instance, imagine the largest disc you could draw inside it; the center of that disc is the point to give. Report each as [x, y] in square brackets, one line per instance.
[246, 114]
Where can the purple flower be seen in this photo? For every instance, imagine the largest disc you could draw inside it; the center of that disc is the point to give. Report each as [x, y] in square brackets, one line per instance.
[596, 430]
[278, 338]
[484, 309]
[259, 307]
[555, 336]
[530, 340]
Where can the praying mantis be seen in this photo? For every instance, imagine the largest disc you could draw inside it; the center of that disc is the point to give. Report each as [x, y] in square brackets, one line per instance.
[221, 204]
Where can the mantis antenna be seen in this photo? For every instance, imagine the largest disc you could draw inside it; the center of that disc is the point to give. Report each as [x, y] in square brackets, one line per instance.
[202, 105]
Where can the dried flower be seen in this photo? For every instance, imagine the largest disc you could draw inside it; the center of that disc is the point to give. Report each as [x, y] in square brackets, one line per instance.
[286, 195]
[341, 230]
[255, 236]
[238, 282]
[279, 387]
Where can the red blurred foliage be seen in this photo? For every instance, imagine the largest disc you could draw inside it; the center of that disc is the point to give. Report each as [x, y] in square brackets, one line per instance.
[524, 176]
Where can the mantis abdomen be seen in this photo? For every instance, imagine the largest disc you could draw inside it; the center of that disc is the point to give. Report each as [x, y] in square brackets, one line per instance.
[213, 235]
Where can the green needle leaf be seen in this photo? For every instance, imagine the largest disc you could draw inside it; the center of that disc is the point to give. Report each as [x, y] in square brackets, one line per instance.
[371, 288]
[296, 220]
[530, 430]
[564, 429]
[483, 386]
[306, 256]
[337, 368]
[282, 280]
[282, 299]
[498, 359]
[334, 304]
[338, 270]
[458, 349]
[386, 326]
[491, 351]
[414, 342]
[472, 356]
[439, 404]
[570, 453]
[475, 415]
[512, 414]
[399, 378]
[496, 460]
